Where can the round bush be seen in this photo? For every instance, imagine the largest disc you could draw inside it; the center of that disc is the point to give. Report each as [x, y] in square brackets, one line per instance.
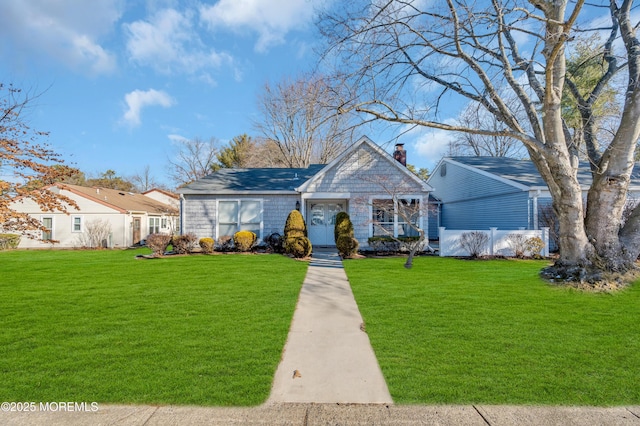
[298, 247]
[207, 244]
[347, 245]
[244, 240]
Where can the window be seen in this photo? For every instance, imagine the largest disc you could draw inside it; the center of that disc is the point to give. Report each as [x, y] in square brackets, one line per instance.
[76, 224]
[395, 218]
[383, 214]
[164, 223]
[47, 233]
[239, 215]
[154, 225]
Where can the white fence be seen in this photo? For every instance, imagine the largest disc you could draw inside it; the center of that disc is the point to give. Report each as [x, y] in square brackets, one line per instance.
[499, 244]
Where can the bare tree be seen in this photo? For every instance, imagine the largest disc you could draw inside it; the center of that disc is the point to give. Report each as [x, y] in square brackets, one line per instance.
[144, 181]
[397, 216]
[95, 235]
[470, 144]
[403, 63]
[193, 160]
[26, 167]
[296, 116]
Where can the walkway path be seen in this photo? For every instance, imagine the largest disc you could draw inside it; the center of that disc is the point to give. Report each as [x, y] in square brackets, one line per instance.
[328, 357]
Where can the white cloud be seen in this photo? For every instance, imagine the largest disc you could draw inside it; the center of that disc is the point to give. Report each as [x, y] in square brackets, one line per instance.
[139, 99]
[67, 30]
[270, 19]
[169, 43]
[433, 144]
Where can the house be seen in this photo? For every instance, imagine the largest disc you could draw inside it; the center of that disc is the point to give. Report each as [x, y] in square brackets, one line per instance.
[126, 218]
[363, 181]
[498, 192]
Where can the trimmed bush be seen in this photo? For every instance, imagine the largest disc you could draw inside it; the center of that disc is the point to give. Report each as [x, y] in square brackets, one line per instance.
[9, 241]
[244, 240]
[343, 226]
[158, 243]
[347, 245]
[295, 226]
[207, 244]
[296, 242]
[184, 244]
[298, 247]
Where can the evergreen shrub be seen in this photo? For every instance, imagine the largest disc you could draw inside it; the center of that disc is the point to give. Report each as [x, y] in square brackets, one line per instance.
[207, 244]
[244, 240]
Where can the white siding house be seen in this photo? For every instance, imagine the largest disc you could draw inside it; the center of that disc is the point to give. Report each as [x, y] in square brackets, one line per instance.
[129, 217]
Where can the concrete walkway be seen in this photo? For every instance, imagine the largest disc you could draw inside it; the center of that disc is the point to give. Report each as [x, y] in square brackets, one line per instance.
[328, 357]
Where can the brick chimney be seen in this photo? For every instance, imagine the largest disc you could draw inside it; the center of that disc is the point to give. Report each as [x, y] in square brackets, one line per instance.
[400, 155]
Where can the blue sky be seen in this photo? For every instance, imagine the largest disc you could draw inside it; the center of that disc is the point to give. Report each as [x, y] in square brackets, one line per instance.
[121, 81]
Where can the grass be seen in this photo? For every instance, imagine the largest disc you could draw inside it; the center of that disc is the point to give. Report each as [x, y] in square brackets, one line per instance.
[455, 331]
[103, 326]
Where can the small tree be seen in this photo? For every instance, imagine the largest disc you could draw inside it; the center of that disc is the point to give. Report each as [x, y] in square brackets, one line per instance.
[30, 168]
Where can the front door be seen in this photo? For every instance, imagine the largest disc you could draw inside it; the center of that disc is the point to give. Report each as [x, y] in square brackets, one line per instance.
[321, 220]
[136, 230]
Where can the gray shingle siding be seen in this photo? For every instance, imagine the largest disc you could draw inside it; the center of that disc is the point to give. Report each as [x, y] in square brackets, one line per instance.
[200, 212]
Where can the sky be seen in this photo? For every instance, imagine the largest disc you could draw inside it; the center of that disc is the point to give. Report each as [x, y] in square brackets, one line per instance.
[119, 83]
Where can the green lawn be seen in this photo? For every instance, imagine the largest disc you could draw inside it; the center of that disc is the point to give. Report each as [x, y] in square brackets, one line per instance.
[104, 326]
[458, 332]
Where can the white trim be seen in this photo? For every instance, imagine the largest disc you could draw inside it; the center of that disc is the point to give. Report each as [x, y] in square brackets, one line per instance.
[326, 195]
[420, 198]
[51, 230]
[73, 224]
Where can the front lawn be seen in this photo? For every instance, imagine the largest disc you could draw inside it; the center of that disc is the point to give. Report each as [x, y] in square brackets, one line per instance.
[103, 326]
[454, 331]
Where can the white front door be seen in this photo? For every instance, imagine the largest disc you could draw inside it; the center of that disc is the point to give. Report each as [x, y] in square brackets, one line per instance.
[321, 220]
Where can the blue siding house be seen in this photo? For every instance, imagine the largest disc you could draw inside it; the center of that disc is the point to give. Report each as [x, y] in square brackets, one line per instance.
[506, 193]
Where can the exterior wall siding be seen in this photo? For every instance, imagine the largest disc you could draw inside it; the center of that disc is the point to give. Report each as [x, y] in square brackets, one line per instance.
[200, 213]
[365, 174]
[473, 201]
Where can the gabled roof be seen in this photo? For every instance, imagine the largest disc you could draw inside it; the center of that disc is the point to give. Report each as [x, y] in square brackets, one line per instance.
[523, 173]
[119, 200]
[365, 140]
[263, 180]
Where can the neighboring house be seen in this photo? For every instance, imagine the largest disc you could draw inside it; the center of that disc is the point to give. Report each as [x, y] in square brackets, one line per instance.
[485, 192]
[130, 217]
[362, 181]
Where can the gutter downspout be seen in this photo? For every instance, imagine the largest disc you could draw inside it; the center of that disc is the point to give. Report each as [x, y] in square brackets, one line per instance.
[182, 215]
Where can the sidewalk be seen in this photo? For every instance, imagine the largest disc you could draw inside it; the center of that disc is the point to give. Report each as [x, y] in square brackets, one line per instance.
[328, 357]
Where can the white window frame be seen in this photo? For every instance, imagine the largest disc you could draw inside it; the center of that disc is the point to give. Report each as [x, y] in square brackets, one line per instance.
[51, 229]
[156, 225]
[238, 223]
[396, 218]
[73, 224]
